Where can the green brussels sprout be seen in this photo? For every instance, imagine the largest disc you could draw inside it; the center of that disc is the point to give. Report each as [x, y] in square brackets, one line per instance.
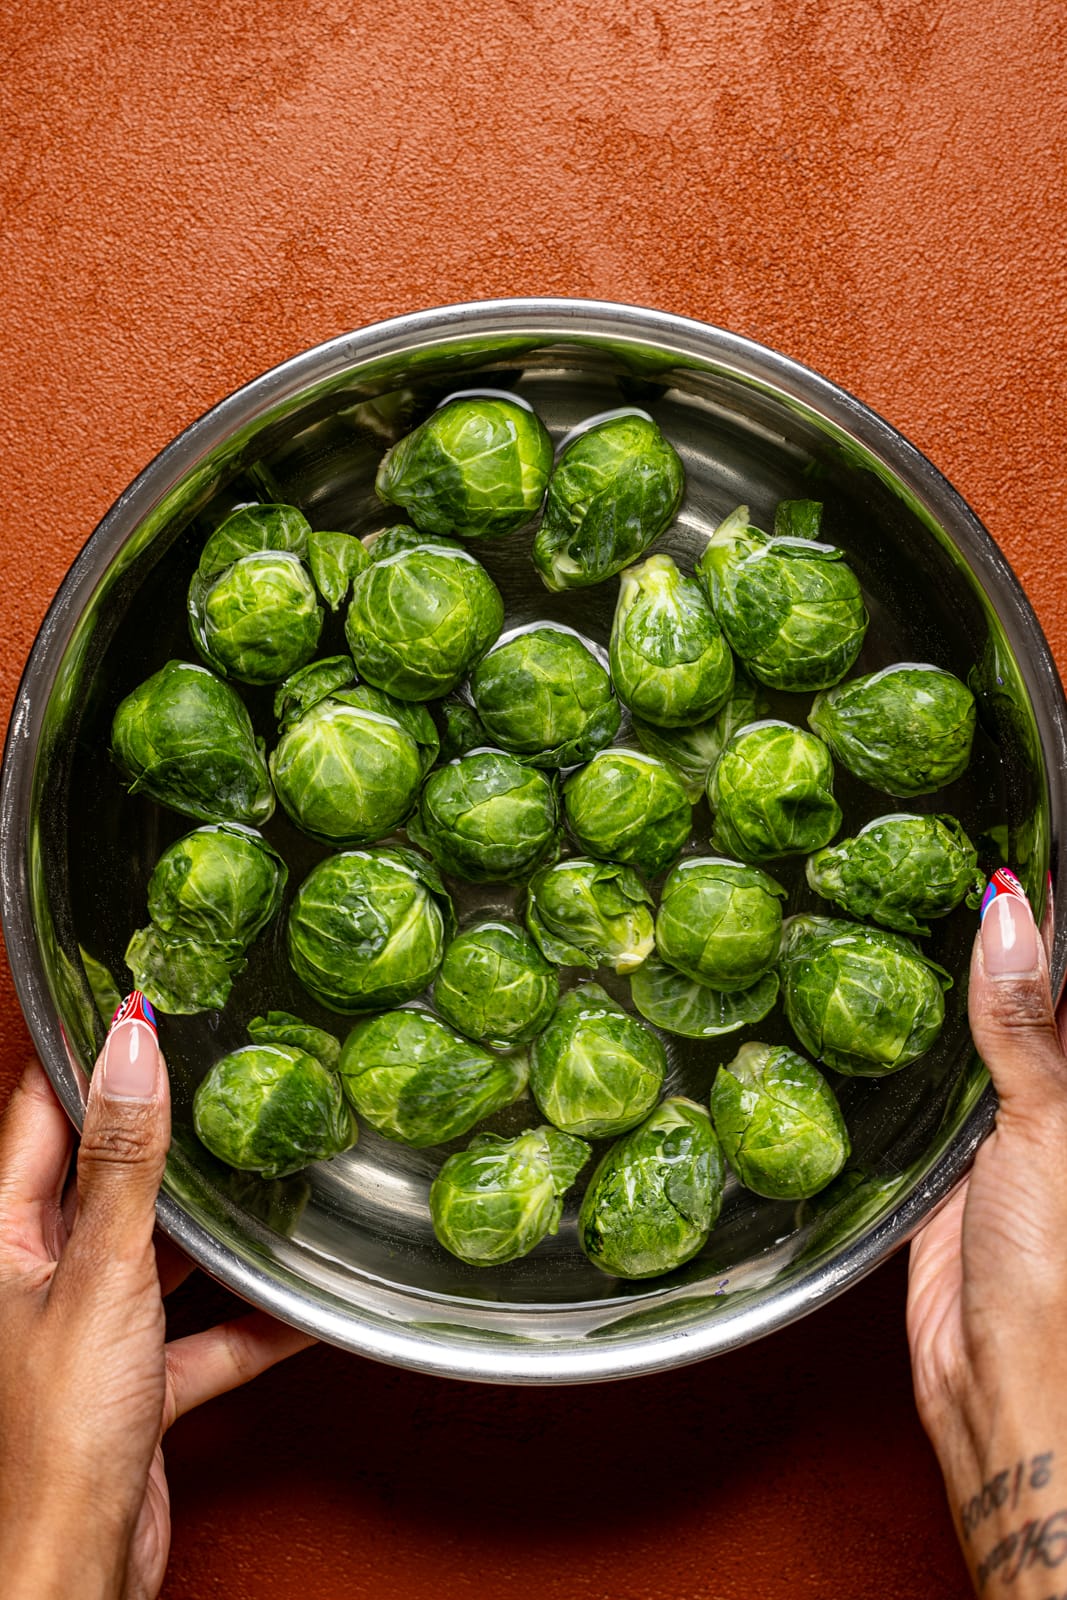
[324, 679]
[669, 661]
[495, 985]
[258, 620]
[281, 1027]
[181, 976]
[344, 774]
[368, 928]
[220, 885]
[678, 1004]
[791, 608]
[719, 922]
[460, 728]
[595, 1070]
[615, 488]
[772, 793]
[779, 1122]
[584, 912]
[544, 696]
[419, 620]
[184, 738]
[476, 467]
[863, 1001]
[487, 818]
[252, 528]
[693, 751]
[271, 1109]
[496, 1200]
[391, 541]
[628, 807]
[335, 559]
[656, 1195]
[899, 869]
[906, 730]
[416, 1081]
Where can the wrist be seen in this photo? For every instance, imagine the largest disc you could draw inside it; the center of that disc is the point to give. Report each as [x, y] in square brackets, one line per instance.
[55, 1561]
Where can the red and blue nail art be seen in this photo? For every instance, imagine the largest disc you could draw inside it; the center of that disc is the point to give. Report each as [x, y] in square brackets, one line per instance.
[1003, 881]
[135, 1008]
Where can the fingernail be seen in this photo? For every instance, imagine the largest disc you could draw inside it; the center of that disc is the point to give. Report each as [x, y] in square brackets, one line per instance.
[1009, 933]
[130, 1068]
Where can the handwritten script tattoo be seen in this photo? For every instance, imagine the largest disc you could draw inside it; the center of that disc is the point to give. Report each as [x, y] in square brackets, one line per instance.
[1036, 1543]
[1004, 1489]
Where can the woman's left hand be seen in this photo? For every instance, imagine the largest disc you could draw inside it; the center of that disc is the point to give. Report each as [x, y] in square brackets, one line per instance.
[88, 1385]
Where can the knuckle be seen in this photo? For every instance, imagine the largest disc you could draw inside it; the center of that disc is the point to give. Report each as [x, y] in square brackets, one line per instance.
[1021, 1005]
[118, 1145]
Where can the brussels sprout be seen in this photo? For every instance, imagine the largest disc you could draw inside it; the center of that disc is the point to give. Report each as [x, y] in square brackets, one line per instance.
[258, 620]
[669, 661]
[791, 608]
[595, 1070]
[906, 730]
[344, 774]
[495, 985]
[252, 528]
[281, 1027]
[475, 467]
[419, 620]
[460, 729]
[584, 912]
[614, 489]
[779, 1122]
[693, 751]
[496, 1200]
[181, 976]
[863, 1001]
[719, 922]
[656, 1195]
[219, 885]
[368, 928]
[270, 1108]
[335, 559]
[628, 807]
[487, 818]
[899, 869]
[391, 541]
[678, 1004]
[544, 696]
[772, 793]
[184, 738]
[416, 1081]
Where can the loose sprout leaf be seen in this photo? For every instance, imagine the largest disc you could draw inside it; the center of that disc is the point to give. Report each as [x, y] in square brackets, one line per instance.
[655, 1195]
[798, 519]
[180, 976]
[670, 1000]
[251, 528]
[303, 689]
[334, 559]
[906, 730]
[669, 660]
[272, 1109]
[282, 1027]
[614, 489]
[107, 996]
[779, 1122]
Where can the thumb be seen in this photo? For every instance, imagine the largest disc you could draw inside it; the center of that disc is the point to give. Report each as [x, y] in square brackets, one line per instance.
[124, 1139]
[1010, 1004]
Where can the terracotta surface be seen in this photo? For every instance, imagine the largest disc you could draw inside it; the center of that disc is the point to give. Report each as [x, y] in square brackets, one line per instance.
[192, 192]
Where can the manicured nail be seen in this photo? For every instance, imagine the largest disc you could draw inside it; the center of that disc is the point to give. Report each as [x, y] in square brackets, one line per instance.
[130, 1068]
[1009, 933]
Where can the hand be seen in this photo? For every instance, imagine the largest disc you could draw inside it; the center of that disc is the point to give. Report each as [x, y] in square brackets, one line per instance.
[987, 1300]
[87, 1384]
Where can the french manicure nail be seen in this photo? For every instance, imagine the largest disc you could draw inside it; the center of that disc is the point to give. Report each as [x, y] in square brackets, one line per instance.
[1009, 936]
[130, 1068]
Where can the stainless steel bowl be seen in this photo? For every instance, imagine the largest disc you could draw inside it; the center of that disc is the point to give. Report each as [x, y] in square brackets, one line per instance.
[346, 1252]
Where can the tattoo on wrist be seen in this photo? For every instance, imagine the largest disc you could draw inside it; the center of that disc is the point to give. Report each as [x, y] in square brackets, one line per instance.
[1004, 1489]
[1036, 1542]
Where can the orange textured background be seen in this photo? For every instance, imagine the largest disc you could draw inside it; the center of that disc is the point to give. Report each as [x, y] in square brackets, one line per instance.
[193, 191]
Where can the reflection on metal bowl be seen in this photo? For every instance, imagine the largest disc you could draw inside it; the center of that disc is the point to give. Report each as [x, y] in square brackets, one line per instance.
[346, 1250]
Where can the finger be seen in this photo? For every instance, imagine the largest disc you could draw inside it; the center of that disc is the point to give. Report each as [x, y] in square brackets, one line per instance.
[35, 1147]
[1010, 1004]
[211, 1363]
[172, 1264]
[124, 1142]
